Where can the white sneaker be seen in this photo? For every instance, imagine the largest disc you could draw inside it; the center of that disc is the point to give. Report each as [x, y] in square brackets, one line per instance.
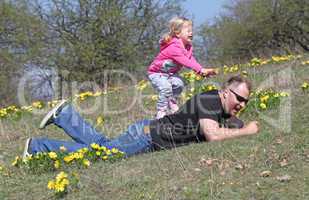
[52, 114]
[160, 114]
[173, 106]
[26, 149]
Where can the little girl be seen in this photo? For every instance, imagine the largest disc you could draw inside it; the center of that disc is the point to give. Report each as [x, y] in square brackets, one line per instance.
[175, 52]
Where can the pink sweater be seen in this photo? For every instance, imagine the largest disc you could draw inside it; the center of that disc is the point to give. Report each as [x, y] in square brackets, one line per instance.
[172, 57]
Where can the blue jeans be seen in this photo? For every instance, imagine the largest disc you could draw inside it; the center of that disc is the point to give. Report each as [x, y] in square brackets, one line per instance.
[132, 141]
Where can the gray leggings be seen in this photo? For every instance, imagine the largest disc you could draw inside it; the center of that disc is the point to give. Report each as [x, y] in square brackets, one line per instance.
[168, 86]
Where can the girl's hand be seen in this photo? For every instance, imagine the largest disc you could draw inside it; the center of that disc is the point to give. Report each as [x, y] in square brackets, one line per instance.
[208, 72]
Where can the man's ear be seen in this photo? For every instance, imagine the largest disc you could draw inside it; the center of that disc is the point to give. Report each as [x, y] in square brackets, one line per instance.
[224, 93]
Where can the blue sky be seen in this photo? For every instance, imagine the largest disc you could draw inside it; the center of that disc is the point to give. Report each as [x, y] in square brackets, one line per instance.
[202, 10]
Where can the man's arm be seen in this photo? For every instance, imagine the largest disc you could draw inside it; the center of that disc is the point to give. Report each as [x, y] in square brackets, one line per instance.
[213, 132]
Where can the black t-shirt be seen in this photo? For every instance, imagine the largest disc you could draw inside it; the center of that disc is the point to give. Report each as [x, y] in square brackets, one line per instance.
[183, 127]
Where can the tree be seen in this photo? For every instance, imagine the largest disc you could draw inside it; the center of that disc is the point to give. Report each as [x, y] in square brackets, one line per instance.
[92, 36]
[258, 27]
[84, 38]
[21, 41]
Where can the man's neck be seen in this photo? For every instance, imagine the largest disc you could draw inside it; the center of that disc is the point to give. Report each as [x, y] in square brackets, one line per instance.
[222, 100]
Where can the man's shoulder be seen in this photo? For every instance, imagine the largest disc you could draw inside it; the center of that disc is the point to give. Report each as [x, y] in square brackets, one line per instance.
[211, 96]
[209, 100]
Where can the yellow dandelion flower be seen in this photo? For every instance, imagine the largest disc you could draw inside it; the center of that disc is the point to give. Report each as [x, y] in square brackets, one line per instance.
[276, 95]
[37, 104]
[57, 164]
[305, 85]
[83, 150]
[65, 182]
[264, 62]
[100, 121]
[98, 153]
[284, 94]
[61, 175]
[299, 56]
[142, 85]
[305, 62]
[102, 148]
[108, 152]
[105, 157]
[27, 108]
[263, 106]
[96, 94]
[255, 62]
[114, 150]
[86, 162]
[51, 185]
[210, 87]
[198, 77]
[14, 163]
[59, 187]
[52, 155]
[154, 97]
[275, 58]
[264, 98]
[95, 146]
[244, 73]
[68, 158]
[78, 155]
[27, 158]
[3, 113]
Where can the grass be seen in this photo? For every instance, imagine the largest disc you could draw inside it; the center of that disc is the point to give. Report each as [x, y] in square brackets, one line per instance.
[220, 170]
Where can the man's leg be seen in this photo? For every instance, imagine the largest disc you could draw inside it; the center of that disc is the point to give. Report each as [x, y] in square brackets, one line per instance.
[47, 145]
[135, 140]
[77, 128]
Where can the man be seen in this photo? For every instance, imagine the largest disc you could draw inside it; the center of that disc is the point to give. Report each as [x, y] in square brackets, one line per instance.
[208, 116]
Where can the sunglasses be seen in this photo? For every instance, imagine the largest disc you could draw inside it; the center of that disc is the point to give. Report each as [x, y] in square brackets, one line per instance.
[240, 98]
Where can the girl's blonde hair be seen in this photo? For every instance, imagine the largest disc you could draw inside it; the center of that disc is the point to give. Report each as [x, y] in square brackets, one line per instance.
[175, 27]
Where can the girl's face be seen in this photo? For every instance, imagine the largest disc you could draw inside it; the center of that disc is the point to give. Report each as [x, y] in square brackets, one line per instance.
[186, 34]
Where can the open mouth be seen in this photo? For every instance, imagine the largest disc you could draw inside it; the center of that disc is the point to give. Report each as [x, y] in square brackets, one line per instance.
[190, 37]
[236, 109]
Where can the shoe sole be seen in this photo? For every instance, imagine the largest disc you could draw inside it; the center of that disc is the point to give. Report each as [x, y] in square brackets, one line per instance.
[26, 153]
[50, 114]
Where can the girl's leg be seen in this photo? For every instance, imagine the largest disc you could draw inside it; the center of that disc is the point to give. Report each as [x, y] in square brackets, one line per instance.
[47, 145]
[135, 140]
[177, 87]
[77, 128]
[163, 86]
[177, 84]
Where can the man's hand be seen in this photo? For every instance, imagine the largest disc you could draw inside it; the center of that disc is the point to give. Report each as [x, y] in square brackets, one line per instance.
[252, 127]
[207, 72]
